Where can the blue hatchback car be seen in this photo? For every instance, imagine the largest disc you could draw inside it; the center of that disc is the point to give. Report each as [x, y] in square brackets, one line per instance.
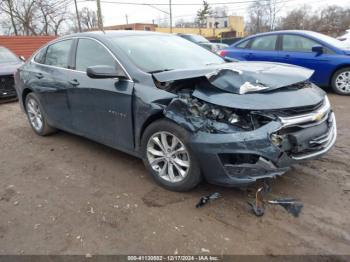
[329, 57]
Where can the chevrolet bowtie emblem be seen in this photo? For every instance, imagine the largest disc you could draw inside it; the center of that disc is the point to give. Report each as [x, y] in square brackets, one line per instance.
[319, 116]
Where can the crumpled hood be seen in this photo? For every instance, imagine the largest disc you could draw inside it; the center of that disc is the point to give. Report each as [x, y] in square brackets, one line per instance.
[282, 99]
[226, 80]
[243, 77]
[9, 68]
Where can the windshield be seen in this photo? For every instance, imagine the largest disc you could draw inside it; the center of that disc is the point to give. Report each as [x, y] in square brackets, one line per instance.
[6, 56]
[330, 40]
[153, 53]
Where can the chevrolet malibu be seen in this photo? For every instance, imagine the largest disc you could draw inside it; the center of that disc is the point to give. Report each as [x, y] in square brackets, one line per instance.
[182, 109]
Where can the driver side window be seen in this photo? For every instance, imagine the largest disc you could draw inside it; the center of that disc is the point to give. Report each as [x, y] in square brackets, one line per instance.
[91, 53]
[296, 43]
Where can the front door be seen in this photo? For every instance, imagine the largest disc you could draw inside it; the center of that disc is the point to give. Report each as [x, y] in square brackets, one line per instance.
[297, 50]
[101, 108]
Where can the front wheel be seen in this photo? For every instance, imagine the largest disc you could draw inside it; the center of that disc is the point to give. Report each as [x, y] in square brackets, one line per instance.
[168, 157]
[341, 81]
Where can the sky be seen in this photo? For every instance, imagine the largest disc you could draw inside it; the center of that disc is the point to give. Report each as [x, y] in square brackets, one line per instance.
[114, 14]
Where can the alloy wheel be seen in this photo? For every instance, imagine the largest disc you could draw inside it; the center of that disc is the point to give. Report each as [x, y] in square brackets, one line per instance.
[168, 157]
[342, 82]
[34, 114]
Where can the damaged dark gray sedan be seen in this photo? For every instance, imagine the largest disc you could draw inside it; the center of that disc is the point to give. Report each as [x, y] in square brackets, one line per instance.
[185, 111]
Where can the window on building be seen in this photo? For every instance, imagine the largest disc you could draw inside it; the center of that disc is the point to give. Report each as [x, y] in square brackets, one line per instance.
[225, 24]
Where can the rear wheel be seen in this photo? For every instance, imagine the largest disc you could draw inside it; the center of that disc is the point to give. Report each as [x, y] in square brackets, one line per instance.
[341, 81]
[36, 116]
[168, 157]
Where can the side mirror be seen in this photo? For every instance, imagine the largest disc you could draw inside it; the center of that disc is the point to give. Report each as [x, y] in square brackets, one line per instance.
[22, 58]
[102, 71]
[317, 49]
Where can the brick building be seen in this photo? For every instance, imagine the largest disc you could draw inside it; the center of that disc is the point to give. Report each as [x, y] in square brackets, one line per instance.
[24, 45]
[135, 26]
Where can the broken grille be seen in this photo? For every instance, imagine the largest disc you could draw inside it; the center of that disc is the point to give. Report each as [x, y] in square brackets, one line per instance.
[309, 140]
[298, 110]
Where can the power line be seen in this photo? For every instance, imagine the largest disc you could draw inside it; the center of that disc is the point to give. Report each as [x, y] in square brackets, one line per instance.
[174, 4]
[230, 9]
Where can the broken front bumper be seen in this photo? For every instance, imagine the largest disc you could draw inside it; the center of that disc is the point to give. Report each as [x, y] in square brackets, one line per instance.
[241, 158]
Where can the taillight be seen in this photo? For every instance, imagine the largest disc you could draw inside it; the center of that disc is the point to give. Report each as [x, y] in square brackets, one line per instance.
[222, 53]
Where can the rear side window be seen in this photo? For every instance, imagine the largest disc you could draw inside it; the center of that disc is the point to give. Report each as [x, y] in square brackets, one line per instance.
[91, 53]
[267, 43]
[243, 45]
[58, 54]
[296, 43]
[40, 56]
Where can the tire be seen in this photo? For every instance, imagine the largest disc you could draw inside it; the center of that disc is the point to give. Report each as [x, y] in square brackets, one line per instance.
[36, 116]
[340, 82]
[178, 170]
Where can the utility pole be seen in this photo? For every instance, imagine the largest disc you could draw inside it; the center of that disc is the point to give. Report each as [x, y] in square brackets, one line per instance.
[99, 15]
[127, 20]
[171, 17]
[77, 12]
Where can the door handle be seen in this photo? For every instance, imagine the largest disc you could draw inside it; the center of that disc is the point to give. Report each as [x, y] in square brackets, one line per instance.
[39, 75]
[287, 56]
[74, 82]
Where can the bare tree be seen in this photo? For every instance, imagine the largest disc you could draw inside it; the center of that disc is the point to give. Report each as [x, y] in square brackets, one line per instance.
[258, 20]
[273, 8]
[32, 17]
[88, 19]
[299, 19]
[331, 20]
[6, 6]
[334, 20]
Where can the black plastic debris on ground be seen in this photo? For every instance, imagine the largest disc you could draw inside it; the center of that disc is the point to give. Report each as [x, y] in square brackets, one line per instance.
[292, 206]
[206, 199]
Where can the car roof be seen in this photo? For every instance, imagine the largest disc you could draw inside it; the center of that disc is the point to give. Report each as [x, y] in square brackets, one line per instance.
[112, 33]
[300, 32]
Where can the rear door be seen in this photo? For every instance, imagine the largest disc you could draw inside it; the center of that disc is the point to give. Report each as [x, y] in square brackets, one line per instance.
[297, 50]
[262, 48]
[49, 80]
[101, 108]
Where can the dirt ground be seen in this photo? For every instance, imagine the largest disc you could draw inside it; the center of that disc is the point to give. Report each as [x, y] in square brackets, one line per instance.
[64, 194]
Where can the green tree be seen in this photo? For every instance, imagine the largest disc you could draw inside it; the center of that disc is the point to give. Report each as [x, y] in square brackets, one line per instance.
[203, 13]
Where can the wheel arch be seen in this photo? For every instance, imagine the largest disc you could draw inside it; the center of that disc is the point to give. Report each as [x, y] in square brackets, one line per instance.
[151, 119]
[25, 93]
[335, 70]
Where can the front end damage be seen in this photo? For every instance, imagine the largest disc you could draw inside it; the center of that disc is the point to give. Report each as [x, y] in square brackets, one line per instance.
[247, 126]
